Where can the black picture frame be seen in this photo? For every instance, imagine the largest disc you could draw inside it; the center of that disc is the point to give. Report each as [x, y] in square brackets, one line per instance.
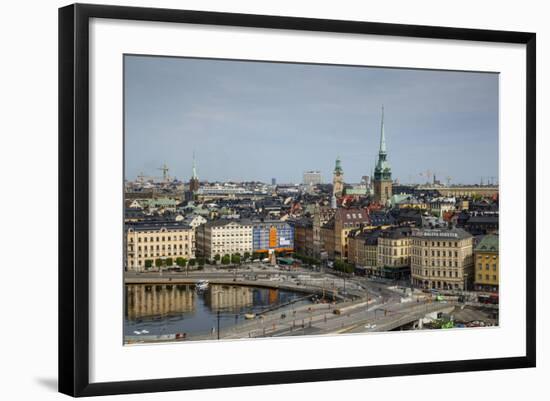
[74, 198]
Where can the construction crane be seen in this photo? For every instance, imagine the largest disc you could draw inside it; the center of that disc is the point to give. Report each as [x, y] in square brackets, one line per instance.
[164, 168]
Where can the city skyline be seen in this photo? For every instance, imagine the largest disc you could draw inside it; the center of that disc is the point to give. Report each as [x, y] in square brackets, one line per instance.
[254, 121]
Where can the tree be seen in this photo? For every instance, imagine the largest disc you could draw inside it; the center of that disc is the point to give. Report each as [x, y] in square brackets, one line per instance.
[192, 262]
[226, 259]
[200, 261]
[158, 262]
[235, 258]
[148, 263]
[181, 262]
[338, 265]
[169, 262]
[348, 268]
[217, 258]
[246, 256]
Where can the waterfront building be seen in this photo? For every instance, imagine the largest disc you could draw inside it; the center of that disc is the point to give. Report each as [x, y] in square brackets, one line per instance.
[442, 259]
[312, 178]
[272, 235]
[224, 237]
[338, 179]
[382, 172]
[394, 252]
[487, 264]
[148, 241]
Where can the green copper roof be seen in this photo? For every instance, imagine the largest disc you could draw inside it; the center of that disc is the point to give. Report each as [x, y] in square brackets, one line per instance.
[338, 166]
[489, 243]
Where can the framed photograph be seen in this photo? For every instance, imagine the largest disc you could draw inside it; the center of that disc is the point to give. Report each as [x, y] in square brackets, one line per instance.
[252, 199]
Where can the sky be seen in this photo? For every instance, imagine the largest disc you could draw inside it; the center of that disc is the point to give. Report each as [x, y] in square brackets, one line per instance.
[249, 121]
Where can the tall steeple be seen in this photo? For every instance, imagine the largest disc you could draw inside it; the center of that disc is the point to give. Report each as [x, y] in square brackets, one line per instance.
[382, 170]
[194, 167]
[338, 166]
[382, 135]
[194, 183]
[338, 179]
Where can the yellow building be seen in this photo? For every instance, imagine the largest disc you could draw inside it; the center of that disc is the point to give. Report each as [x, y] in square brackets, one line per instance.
[363, 250]
[147, 242]
[394, 253]
[346, 220]
[487, 264]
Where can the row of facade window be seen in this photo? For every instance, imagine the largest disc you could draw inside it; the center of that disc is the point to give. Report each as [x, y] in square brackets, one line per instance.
[232, 228]
[158, 247]
[393, 262]
[437, 273]
[480, 266]
[231, 235]
[393, 251]
[163, 238]
[443, 244]
[435, 263]
[434, 253]
[146, 255]
[480, 277]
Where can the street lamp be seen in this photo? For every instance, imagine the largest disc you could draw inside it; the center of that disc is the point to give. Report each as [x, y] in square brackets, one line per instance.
[218, 314]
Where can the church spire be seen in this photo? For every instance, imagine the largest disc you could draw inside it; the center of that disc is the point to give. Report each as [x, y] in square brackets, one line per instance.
[382, 135]
[338, 166]
[194, 167]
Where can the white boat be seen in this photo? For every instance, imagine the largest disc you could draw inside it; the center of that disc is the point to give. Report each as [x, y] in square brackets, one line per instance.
[201, 285]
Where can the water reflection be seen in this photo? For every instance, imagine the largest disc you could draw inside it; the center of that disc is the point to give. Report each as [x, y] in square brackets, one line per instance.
[165, 309]
[144, 301]
[228, 297]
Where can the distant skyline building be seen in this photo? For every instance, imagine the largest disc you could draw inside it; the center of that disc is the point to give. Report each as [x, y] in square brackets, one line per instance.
[338, 179]
[312, 177]
[273, 181]
[382, 181]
